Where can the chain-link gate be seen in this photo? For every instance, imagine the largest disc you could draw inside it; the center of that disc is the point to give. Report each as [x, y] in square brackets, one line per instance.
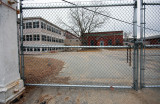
[81, 44]
[150, 50]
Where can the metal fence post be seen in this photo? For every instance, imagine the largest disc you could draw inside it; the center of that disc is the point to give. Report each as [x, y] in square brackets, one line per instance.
[21, 33]
[135, 67]
[141, 46]
[130, 55]
[127, 54]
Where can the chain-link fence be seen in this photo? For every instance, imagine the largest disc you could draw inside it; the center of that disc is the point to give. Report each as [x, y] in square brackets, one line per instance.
[151, 75]
[86, 44]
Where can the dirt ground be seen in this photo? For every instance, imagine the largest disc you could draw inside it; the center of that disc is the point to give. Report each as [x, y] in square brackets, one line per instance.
[38, 69]
[59, 95]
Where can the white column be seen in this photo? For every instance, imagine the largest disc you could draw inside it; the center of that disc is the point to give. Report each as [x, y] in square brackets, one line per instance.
[10, 83]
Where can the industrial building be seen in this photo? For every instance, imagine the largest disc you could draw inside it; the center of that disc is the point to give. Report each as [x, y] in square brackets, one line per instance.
[71, 40]
[153, 40]
[111, 38]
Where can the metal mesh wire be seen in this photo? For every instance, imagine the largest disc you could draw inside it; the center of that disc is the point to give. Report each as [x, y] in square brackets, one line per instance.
[46, 29]
[152, 37]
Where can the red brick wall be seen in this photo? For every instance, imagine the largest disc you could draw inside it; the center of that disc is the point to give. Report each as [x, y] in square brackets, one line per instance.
[154, 41]
[106, 39]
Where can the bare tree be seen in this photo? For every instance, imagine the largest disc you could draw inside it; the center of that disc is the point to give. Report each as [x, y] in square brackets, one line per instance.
[83, 20]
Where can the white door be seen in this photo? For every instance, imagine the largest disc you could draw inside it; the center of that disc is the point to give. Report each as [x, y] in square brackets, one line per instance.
[101, 43]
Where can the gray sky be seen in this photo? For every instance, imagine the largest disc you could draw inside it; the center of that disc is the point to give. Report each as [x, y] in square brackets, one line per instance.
[121, 13]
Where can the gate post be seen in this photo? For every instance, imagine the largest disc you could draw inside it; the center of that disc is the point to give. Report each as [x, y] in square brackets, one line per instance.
[11, 86]
[141, 46]
[135, 52]
[21, 40]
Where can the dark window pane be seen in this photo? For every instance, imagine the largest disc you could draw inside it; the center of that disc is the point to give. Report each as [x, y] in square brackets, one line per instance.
[30, 24]
[24, 38]
[38, 38]
[42, 25]
[30, 37]
[27, 37]
[36, 24]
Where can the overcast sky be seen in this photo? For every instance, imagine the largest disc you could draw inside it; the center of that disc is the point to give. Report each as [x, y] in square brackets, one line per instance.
[122, 13]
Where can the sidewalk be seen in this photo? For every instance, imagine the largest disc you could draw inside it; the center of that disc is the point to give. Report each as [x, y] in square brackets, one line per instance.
[51, 95]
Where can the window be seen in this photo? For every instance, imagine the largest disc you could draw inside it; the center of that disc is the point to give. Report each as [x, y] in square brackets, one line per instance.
[24, 49]
[36, 49]
[36, 24]
[53, 30]
[42, 25]
[62, 41]
[48, 38]
[28, 25]
[24, 38]
[92, 42]
[117, 42]
[56, 31]
[47, 27]
[44, 49]
[27, 37]
[30, 37]
[23, 25]
[56, 40]
[29, 49]
[36, 37]
[43, 38]
[109, 42]
[76, 40]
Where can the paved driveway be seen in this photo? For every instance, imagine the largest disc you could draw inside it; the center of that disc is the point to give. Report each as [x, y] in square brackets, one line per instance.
[105, 67]
[95, 68]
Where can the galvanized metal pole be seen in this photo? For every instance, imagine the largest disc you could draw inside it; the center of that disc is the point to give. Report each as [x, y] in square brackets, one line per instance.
[141, 50]
[135, 68]
[21, 33]
[18, 25]
[77, 6]
[130, 56]
[127, 54]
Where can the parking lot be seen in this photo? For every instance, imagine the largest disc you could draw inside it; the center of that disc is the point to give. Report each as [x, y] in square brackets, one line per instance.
[103, 67]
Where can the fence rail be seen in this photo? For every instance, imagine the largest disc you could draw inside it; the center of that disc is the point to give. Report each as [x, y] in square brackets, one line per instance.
[82, 86]
[58, 46]
[86, 6]
[51, 46]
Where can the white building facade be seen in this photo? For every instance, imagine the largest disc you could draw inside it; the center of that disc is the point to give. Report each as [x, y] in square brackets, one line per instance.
[40, 32]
